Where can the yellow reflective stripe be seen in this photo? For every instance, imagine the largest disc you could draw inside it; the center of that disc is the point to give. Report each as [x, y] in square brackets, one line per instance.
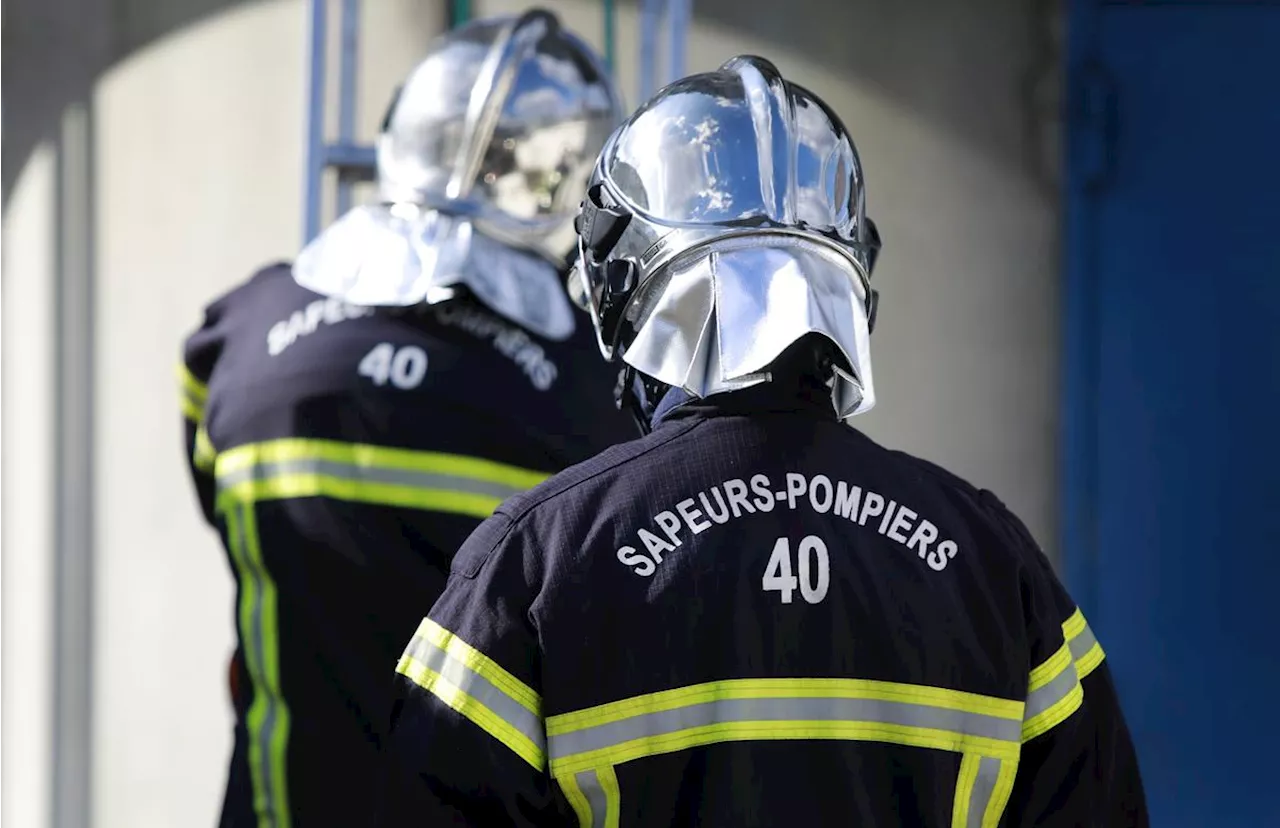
[1054, 694]
[476, 687]
[471, 708]
[983, 786]
[608, 781]
[197, 390]
[1085, 649]
[194, 394]
[1054, 690]
[191, 410]
[203, 455]
[267, 721]
[594, 796]
[1000, 796]
[577, 799]
[965, 782]
[381, 457]
[480, 663]
[298, 467]
[782, 709]
[316, 485]
[1050, 669]
[783, 688]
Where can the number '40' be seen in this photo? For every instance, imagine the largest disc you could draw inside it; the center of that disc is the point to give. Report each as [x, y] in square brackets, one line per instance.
[812, 563]
[405, 367]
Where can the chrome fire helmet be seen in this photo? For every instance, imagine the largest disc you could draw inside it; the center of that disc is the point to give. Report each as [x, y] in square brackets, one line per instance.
[724, 221]
[483, 157]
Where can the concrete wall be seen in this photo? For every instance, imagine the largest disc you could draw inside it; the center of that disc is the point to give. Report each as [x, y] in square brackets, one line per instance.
[195, 175]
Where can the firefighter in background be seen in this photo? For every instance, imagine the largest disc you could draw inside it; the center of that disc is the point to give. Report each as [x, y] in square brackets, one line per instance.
[352, 419]
[754, 615]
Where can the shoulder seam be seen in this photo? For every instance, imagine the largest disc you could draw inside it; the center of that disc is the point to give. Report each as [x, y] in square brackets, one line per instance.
[939, 474]
[516, 518]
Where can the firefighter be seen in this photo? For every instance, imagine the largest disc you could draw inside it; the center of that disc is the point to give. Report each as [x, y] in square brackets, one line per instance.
[754, 615]
[352, 418]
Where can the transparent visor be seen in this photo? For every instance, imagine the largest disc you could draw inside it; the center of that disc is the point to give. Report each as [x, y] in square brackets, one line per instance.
[709, 150]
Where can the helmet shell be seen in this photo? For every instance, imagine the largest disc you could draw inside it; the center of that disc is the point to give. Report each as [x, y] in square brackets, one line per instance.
[501, 122]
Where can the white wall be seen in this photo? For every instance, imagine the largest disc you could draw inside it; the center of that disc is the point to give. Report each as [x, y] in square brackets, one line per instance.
[28, 367]
[198, 156]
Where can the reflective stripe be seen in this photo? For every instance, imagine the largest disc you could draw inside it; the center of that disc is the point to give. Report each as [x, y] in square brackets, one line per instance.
[974, 785]
[267, 721]
[371, 474]
[367, 474]
[191, 386]
[594, 796]
[774, 709]
[194, 394]
[589, 784]
[191, 410]
[1085, 648]
[203, 455]
[608, 780]
[1054, 694]
[478, 688]
[982, 791]
[1054, 689]
[577, 799]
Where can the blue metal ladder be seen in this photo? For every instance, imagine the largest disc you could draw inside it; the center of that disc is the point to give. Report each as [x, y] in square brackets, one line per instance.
[355, 163]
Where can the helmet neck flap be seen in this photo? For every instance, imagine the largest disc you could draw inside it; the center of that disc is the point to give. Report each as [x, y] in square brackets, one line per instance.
[724, 222]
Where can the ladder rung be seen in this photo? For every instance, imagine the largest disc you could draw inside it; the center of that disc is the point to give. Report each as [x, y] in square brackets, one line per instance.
[350, 157]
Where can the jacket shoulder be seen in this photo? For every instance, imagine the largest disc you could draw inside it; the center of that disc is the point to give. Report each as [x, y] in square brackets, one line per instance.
[272, 274]
[608, 462]
[983, 503]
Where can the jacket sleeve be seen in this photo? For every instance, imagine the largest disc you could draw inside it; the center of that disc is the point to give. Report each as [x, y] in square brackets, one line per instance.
[199, 358]
[467, 743]
[1077, 765]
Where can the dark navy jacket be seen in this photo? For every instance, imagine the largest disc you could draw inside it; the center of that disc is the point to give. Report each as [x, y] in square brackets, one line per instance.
[757, 616]
[344, 455]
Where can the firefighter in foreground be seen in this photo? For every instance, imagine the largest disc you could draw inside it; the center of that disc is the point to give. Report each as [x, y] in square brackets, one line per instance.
[754, 615]
[345, 442]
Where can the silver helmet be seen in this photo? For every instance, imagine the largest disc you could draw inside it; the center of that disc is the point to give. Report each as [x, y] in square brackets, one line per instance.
[483, 156]
[501, 123]
[724, 221]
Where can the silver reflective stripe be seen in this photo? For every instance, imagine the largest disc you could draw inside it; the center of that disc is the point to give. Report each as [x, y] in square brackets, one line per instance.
[479, 688]
[1055, 691]
[589, 784]
[367, 474]
[782, 709]
[984, 784]
[1082, 643]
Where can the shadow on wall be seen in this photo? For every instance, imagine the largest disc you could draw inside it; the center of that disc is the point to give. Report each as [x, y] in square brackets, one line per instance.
[55, 50]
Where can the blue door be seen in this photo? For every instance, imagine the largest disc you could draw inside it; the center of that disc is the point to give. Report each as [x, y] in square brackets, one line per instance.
[1171, 449]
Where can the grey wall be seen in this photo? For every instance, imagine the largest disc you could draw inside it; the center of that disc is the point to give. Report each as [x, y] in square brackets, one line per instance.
[189, 174]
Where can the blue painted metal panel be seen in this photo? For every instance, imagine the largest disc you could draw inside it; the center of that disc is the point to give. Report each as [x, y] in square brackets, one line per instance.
[314, 177]
[348, 69]
[1172, 444]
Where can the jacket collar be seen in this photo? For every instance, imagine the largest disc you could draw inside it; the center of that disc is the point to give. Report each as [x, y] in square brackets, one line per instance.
[803, 394]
